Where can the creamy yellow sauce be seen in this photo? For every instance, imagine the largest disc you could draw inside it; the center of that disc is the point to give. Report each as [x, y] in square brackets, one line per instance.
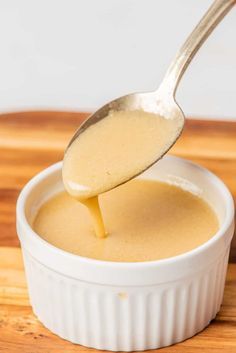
[111, 152]
[146, 220]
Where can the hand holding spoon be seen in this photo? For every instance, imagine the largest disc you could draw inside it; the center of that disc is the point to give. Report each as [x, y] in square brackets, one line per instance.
[129, 134]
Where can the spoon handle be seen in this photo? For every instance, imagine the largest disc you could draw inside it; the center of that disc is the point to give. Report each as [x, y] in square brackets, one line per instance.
[186, 53]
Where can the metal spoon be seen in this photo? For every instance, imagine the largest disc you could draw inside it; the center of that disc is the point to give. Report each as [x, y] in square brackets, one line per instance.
[162, 101]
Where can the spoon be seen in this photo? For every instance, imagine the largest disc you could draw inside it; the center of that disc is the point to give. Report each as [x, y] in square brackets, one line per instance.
[162, 101]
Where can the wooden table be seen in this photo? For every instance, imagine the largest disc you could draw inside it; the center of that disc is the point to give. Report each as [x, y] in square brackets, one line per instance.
[30, 142]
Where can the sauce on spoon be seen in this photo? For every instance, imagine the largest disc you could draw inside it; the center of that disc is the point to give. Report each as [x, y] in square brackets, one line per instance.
[112, 151]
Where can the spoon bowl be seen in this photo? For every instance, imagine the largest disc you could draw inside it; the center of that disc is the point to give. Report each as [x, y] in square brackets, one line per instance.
[162, 106]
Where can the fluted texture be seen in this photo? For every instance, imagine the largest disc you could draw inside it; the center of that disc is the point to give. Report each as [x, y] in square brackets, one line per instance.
[125, 318]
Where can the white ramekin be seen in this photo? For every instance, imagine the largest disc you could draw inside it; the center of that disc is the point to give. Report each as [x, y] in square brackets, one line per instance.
[127, 306]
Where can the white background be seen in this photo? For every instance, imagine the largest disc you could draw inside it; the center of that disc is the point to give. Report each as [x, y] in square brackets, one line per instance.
[78, 54]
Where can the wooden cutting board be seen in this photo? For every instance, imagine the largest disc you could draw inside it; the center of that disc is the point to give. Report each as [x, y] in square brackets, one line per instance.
[32, 141]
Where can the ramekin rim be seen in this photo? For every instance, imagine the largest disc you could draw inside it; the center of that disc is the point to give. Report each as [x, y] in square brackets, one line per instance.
[21, 218]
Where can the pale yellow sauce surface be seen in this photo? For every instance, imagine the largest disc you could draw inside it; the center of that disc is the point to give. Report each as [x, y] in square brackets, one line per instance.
[146, 220]
[112, 151]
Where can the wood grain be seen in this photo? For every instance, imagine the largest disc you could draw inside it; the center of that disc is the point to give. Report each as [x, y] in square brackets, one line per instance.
[31, 141]
[20, 331]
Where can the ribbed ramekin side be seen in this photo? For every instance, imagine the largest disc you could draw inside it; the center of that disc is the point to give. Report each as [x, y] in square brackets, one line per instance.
[125, 318]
